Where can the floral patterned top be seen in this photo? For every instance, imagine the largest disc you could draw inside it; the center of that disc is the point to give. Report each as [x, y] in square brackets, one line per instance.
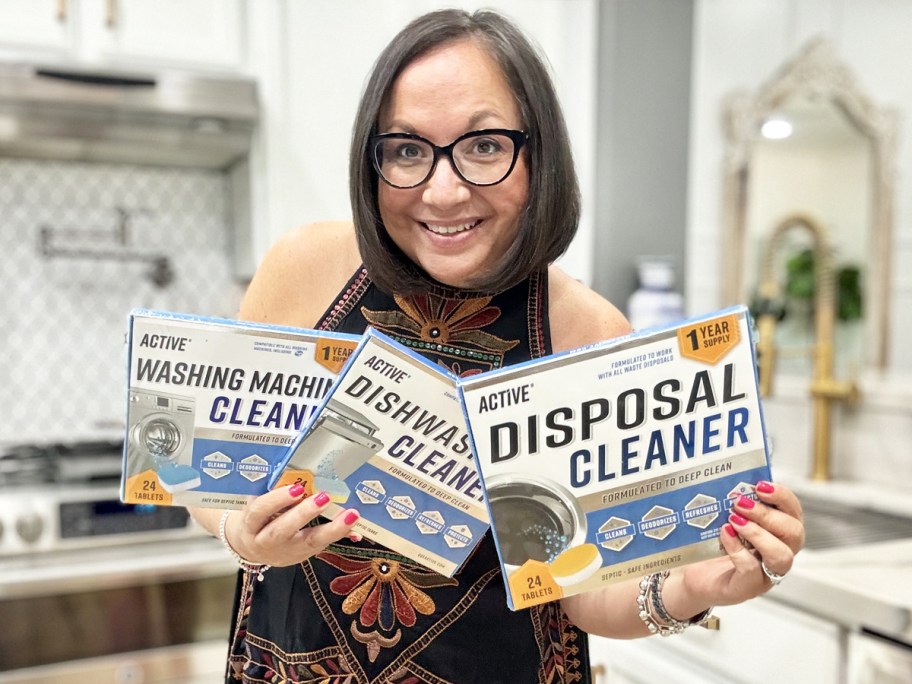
[358, 613]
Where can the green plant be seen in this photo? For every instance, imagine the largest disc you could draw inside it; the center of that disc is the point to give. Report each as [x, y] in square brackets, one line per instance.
[798, 299]
[800, 286]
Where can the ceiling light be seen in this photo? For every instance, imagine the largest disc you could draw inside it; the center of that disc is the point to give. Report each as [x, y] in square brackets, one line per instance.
[776, 129]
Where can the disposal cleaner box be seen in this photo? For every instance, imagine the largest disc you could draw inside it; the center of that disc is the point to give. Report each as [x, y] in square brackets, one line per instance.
[214, 403]
[618, 459]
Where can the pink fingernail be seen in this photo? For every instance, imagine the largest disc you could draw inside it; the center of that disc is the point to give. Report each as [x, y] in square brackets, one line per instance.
[765, 487]
[296, 490]
[730, 530]
[745, 502]
[739, 520]
[350, 517]
[355, 537]
[321, 499]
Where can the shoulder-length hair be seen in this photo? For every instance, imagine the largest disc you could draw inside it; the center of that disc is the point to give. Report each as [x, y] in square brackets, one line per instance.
[551, 216]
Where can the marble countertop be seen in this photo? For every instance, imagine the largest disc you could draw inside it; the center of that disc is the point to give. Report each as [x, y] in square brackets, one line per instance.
[859, 586]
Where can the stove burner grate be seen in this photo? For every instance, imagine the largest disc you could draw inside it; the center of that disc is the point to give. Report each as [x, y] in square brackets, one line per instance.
[77, 462]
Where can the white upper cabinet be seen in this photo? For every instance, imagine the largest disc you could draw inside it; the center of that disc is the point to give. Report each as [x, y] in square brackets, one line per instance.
[42, 25]
[203, 33]
[200, 34]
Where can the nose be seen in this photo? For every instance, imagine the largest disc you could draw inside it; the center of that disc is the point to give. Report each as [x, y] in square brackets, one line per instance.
[445, 188]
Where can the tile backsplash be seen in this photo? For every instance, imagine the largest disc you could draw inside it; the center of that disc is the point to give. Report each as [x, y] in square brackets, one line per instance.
[63, 316]
[866, 439]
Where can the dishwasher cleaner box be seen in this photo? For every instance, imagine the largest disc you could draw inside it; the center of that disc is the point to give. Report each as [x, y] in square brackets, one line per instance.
[390, 439]
[214, 403]
[618, 459]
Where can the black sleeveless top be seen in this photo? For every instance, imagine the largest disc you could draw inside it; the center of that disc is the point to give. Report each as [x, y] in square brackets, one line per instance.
[358, 613]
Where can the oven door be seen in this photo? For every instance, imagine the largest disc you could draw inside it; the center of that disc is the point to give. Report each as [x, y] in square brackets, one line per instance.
[153, 612]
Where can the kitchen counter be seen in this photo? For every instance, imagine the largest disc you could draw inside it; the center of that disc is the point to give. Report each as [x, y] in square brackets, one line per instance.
[866, 586]
[862, 587]
[809, 627]
[117, 566]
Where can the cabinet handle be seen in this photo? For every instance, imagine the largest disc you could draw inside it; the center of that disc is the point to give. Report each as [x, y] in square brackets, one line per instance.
[62, 10]
[111, 13]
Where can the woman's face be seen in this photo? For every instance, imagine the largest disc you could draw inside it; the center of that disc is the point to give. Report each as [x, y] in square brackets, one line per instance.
[456, 232]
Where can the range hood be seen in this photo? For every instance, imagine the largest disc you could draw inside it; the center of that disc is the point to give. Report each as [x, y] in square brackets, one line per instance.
[162, 118]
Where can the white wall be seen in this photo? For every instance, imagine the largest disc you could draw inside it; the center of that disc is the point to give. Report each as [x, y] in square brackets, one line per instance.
[737, 47]
[312, 58]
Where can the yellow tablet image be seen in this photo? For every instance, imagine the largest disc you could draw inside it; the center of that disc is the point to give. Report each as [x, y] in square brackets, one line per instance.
[575, 564]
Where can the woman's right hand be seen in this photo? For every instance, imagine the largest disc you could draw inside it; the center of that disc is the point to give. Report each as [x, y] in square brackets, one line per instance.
[273, 528]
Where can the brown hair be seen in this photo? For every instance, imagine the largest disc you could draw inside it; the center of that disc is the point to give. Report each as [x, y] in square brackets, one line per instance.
[551, 216]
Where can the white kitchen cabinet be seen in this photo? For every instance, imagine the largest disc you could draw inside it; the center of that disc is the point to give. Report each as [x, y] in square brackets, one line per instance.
[201, 34]
[36, 25]
[627, 666]
[759, 641]
[876, 660]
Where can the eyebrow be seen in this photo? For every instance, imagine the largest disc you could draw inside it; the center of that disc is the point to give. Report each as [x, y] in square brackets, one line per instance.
[478, 117]
[474, 121]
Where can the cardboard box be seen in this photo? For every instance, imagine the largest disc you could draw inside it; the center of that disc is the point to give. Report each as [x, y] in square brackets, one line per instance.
[214, 403]
[618, 459]
[391, 440]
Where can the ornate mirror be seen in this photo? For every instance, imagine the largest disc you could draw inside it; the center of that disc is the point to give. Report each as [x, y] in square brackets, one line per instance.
[831, 161]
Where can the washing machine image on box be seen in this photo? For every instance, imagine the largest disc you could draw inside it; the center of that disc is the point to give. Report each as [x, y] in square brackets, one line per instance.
[337, 444]
[160, 429]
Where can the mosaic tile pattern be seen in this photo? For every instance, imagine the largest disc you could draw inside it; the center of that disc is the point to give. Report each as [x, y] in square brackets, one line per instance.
[63, 318]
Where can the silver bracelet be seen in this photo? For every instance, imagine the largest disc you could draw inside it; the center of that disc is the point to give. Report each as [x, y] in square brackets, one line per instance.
[654, 614]
[245, 565]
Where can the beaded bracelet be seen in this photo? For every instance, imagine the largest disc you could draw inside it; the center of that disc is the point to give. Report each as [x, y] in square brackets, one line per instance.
[654, 614]
[245, 565]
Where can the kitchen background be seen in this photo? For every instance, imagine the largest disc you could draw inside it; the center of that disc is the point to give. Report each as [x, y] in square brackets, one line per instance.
[646, 85]
[64, 315]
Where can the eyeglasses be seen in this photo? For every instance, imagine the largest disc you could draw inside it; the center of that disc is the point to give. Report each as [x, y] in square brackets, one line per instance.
[406, 160]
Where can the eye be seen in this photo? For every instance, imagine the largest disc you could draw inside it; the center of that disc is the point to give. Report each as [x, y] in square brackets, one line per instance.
[486, 146]
[409, 151]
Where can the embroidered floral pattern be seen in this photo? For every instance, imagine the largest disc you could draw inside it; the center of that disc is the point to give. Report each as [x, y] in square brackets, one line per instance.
[451, 327]
[382, 591]
[560, 663]
[264, 666]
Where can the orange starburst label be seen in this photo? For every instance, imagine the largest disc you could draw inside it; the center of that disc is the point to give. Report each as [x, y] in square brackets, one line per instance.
[332, 354]
[709, 341]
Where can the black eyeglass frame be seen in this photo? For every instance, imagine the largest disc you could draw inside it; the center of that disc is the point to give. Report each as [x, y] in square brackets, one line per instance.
[519, 139]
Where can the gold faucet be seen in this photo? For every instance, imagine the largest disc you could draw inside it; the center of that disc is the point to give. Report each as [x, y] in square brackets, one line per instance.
[824, 388]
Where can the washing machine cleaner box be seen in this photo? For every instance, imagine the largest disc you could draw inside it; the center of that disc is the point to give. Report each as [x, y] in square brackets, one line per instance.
[214, 403]
[618, 459]
[390, 439]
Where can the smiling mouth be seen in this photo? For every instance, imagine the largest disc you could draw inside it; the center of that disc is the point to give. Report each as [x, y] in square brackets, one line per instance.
[450, 230]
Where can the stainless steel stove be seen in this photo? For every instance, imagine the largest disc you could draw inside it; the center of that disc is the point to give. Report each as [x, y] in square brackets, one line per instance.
[127, 579]
[61, 497]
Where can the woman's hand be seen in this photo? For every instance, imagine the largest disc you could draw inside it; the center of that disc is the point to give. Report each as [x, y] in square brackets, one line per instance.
[273, 529]
[769, 531]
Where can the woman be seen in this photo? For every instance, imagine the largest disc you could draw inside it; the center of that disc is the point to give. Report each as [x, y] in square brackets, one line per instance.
[463, 193]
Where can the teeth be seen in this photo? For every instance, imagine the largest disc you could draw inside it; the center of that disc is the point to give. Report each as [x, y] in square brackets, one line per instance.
[449, 230]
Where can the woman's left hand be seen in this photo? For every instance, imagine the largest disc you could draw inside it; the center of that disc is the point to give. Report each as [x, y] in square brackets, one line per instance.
[760, 537]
